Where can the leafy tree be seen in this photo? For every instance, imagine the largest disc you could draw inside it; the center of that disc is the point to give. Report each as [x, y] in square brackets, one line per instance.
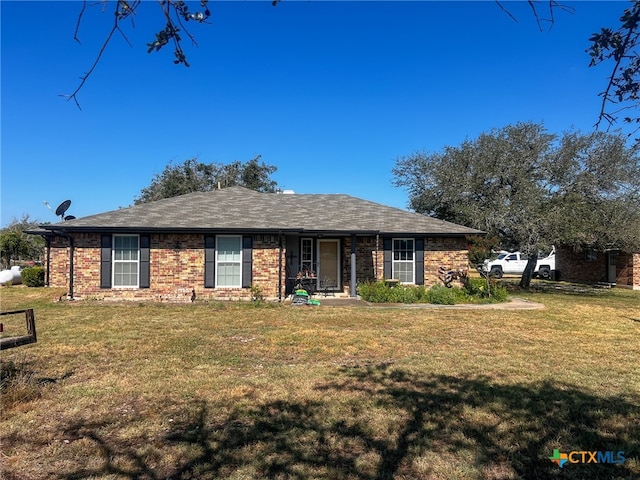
[194, 176]
[595, 199]
[13, 246]
[481, 248]
[17, 245]
[530, 188]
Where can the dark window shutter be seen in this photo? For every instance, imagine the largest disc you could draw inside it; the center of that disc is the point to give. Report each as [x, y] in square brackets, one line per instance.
[247, 262]
[419, 261]
[209, 261]
[145, 256]
[388, 256]
[105, 261]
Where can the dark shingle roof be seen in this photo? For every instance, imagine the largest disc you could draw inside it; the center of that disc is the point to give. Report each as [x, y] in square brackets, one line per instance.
[240, 209]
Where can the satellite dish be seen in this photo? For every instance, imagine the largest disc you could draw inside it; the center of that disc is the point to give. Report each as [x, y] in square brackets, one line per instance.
[63, 208]
[69, 217]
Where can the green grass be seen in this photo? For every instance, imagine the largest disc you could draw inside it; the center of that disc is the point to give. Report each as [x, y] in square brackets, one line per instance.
[235, 391]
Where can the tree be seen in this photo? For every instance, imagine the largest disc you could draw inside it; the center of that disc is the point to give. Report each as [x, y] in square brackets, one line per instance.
[595, 200]
[15, 244]
[618, 47]
[194, 176]
[523, 185]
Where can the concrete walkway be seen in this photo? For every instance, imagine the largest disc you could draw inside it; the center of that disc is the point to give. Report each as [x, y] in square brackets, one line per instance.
[512, 304]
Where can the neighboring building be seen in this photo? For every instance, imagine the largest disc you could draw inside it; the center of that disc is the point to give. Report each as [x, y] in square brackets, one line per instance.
[592, 266]
[219, 244]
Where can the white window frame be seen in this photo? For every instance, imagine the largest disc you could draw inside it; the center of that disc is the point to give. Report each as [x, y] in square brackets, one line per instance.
[306, 262]
[115, 262]
[411, 262]
[219, 262]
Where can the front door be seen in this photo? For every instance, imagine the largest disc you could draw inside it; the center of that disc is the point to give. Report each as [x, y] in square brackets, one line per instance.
[328, 264]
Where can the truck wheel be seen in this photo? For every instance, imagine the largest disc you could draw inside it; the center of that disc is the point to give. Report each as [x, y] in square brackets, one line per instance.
[496, 272]
[544, 272]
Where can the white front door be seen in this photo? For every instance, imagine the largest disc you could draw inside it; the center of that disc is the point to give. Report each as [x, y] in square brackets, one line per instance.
[329, 264]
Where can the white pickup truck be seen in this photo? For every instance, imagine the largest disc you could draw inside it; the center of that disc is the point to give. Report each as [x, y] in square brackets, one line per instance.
[514, 263]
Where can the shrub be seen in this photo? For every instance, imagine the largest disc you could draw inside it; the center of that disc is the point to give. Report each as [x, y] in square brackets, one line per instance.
[380, 292]
[375, 292]
[499, 292]
[256, 293]
[491, 291]
[441, 295]
[33, 277]
[476, 291]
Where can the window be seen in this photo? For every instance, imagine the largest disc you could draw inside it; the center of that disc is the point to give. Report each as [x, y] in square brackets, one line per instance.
[306, 256]
[590, 255]
[126, 260]
[403, 260]
[229, 261]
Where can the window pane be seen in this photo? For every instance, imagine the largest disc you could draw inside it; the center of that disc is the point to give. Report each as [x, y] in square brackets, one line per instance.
[126, 248]
[125, 274]
[403, 271]
[228, 249]
[307, 250]
[228, 274]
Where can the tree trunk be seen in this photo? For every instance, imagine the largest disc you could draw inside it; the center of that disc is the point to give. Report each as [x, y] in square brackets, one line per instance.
[527, 275]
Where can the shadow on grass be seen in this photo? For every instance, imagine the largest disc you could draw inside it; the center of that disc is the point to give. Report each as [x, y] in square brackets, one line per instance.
[377, 422]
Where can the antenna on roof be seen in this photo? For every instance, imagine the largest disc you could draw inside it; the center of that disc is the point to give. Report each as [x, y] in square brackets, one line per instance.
[62, 208]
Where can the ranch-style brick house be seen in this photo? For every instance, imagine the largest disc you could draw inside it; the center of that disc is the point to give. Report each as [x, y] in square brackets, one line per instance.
[231, 242]
[585, 265]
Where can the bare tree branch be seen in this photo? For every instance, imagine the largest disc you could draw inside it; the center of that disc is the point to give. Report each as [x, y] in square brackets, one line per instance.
[552, 5]
[623, 85]
[127, 9]
[75, 33]
[84, 78]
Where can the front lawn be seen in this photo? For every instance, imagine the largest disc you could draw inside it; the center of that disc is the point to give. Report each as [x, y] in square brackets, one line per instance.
[239, 391]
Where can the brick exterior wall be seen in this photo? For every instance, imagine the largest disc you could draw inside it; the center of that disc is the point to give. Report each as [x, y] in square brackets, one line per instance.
[266, 265]
[578, 266]
[176, 269]
[177, 266]
[628, 270]
[450, 253]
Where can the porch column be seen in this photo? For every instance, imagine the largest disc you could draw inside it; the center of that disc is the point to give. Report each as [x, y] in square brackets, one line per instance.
[352, 289]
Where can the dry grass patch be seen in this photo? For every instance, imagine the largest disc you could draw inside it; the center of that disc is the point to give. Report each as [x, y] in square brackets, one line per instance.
[208, 391]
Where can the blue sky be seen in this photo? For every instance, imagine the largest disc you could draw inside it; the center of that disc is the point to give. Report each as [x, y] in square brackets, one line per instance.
[332, 93]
